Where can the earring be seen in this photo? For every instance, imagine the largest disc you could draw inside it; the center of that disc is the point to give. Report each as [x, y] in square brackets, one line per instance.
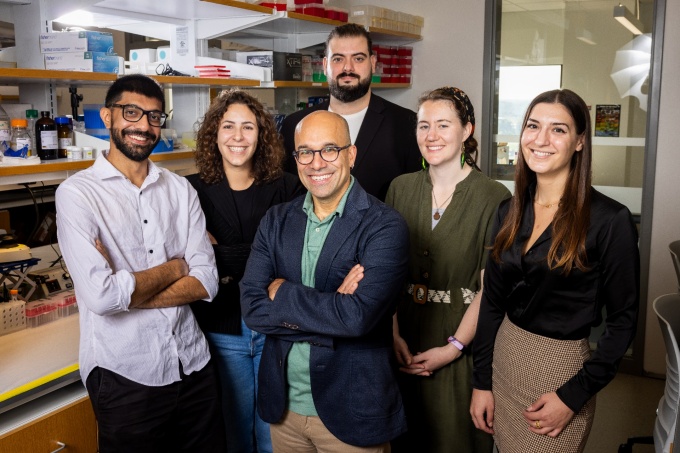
[423, 163]
[462, 156]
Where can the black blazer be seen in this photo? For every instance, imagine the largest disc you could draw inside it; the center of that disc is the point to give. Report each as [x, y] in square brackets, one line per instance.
[223, 315]
[352, 370]
[386, 144]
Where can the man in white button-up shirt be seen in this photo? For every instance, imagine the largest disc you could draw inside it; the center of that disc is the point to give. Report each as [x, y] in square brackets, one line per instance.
[134, 239]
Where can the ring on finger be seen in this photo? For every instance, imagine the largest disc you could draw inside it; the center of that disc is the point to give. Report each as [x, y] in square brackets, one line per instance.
[537, 424]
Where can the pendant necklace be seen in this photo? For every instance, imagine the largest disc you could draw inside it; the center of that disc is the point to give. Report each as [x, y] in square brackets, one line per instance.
[436, 214]
[549, 205]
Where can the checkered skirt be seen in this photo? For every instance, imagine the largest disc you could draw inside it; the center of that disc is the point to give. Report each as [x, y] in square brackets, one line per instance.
[526, 366]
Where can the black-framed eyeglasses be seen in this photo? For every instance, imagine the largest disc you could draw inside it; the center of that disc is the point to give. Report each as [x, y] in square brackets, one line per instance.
[132, 113]
[327, 153]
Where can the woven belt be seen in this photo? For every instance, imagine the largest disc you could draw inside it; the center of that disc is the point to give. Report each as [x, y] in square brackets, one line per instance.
[419, 294]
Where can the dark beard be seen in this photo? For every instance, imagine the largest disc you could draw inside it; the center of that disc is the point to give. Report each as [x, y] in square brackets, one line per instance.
[136, 153]
[345, 93]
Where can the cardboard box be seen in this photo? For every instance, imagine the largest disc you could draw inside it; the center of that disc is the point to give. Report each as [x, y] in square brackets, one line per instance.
[76, 41]
[285, 65]
[85, 61]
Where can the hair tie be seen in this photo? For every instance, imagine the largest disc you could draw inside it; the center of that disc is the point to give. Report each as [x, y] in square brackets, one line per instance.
[463, 98]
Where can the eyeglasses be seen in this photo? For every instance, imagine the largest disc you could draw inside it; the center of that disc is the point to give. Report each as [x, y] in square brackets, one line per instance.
[132, 113]
[327, 153]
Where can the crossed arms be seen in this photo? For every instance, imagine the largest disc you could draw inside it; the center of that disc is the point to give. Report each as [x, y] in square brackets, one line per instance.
[354, 299]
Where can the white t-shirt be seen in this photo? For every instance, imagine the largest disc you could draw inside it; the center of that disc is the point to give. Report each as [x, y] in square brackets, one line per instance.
[354, 121]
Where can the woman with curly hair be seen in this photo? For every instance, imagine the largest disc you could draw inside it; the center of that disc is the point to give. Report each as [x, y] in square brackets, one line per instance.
[239, 158]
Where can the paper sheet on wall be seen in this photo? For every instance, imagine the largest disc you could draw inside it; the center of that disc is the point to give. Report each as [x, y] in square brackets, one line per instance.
[182, 36]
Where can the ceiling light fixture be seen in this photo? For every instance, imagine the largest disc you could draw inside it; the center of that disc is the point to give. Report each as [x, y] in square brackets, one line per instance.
[628, 19]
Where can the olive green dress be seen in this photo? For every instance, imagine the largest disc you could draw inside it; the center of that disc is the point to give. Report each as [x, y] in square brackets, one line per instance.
[447, 260]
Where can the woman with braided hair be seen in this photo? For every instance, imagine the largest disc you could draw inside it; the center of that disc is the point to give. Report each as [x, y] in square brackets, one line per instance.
[449, 207]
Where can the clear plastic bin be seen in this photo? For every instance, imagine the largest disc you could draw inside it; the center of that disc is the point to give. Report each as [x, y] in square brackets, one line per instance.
[40, 312]
[67, 306]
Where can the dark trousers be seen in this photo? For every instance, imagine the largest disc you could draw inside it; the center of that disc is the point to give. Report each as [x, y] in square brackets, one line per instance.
[184, 416]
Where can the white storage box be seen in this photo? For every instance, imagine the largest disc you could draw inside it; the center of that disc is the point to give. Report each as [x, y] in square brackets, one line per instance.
[143, 55]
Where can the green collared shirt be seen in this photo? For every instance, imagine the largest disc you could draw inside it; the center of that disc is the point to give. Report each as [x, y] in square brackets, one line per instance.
[300, 398]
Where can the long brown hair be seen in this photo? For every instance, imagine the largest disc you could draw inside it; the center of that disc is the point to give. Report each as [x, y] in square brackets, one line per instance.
[269, 154]
[466, 114]
[570, 225]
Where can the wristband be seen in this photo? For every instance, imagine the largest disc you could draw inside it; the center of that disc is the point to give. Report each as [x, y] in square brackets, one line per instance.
[456, 343]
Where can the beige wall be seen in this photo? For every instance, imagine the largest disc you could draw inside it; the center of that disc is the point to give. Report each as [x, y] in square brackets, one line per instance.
[451, 52]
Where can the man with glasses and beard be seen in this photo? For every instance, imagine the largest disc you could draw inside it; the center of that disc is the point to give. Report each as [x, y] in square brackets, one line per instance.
[383, 132]
[134, 239]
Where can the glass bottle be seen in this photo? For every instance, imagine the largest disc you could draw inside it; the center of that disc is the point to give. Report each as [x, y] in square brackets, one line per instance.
[79, 124]
[46, 141]
[64, 134]
[31, 118]
[20, 140]
[14, 295]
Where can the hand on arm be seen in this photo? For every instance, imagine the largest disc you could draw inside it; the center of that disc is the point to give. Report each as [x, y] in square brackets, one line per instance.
[481, 409]
[548, 415]
[274, 287]
[151, 282]
[351, 281]
[166, 285]
[183, 291]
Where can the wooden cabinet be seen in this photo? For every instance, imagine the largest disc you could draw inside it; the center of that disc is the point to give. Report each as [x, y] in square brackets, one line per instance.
[73, 425]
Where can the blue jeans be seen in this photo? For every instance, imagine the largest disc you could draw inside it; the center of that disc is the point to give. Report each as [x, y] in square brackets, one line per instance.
[238, 360]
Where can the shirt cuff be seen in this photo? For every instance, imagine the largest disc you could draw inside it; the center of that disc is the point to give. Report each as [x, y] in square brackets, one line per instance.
[573, 395]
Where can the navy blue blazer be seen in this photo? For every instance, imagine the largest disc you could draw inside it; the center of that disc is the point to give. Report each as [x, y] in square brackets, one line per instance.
[352, 366]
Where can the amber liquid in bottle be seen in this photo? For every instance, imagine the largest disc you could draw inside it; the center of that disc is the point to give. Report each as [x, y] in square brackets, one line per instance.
[46, 141]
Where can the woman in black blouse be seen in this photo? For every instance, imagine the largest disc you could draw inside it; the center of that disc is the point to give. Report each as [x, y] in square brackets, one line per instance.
[562, 252]
[239, 158]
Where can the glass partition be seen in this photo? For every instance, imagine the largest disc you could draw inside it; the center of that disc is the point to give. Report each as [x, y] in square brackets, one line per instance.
[580, 45]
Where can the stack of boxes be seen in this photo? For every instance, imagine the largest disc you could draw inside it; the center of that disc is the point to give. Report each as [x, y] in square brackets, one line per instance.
[87, 51]
[309, 7]
[318, 9]
[387, 19]
[394, 63]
